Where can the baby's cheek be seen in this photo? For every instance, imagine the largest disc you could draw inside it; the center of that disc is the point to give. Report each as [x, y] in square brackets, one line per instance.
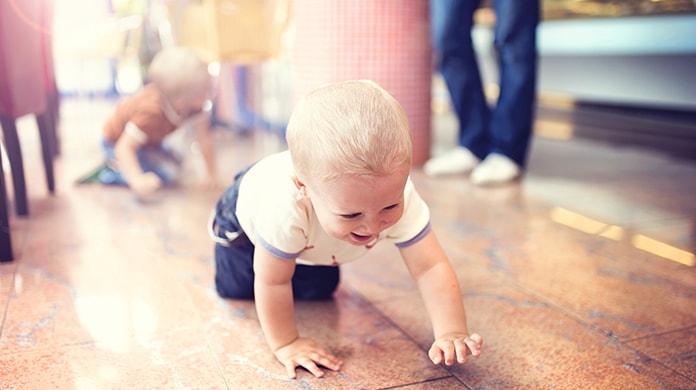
[394, 219]
[335, 229]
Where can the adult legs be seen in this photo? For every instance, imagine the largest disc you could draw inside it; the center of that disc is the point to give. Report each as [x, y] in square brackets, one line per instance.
[515, 41]
[452, 22]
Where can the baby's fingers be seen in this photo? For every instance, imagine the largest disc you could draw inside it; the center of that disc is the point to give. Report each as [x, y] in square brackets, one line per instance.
[290, 370]
[306, 363]
[312, 367]
[435, 354]
[327, 360]
[440, 352]
[461, 347]
[474, 343]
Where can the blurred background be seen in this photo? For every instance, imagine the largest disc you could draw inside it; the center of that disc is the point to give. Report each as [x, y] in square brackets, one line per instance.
[617, 71]
[581, 275]
[599, 59]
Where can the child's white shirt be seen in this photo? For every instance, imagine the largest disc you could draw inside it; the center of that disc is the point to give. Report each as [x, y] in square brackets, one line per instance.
[275, 215]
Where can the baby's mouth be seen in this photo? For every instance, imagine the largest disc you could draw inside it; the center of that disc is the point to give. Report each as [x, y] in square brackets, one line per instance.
[360, 238]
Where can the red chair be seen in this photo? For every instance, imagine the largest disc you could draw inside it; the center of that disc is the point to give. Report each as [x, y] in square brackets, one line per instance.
[25, 74]
[5, 239]
[50, 82]
[27, 86]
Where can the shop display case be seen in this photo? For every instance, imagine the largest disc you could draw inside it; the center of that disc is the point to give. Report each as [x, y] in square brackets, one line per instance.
[626, 52]
[583, 9]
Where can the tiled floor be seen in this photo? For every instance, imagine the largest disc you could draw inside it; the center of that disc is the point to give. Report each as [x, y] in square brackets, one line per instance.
[558, 273]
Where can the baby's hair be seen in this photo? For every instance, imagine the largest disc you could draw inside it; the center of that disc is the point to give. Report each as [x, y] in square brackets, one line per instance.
[350, 127]
[180, 74]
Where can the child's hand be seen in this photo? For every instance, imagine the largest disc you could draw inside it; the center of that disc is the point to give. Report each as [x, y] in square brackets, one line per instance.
[455, 346]
[308, 354]
[145, 184]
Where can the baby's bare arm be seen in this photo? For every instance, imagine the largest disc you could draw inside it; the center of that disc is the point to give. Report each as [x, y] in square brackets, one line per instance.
[125, 152]
[273, 295]
[274, 305]
[441, 294]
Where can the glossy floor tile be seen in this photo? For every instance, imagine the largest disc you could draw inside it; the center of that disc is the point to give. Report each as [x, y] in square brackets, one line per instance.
[579, 276]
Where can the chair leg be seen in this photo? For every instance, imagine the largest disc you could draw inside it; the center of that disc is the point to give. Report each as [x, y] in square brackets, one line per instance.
[5, 237]
[14, 155]
[54, 110]
[48, 149]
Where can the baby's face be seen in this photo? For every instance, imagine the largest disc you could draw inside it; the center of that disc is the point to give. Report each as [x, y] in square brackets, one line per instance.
[187, 107]
[356, 209]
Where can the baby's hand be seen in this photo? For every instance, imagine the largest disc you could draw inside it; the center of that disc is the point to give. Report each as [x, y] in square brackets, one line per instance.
[308, 354]
[146, 184]
[453, 346]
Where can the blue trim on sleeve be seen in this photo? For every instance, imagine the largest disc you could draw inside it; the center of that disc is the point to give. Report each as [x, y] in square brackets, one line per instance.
[415, 239]
[275, 251]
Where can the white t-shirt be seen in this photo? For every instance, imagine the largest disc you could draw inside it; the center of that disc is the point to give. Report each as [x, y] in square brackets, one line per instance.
[275, 215]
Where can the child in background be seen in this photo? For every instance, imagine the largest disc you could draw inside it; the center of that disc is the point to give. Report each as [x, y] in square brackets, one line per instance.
[286, 224]
[133, 137]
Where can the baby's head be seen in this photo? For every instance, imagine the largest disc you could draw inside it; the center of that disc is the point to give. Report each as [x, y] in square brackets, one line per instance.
[351, 148]
[182, 77]
[351, 127]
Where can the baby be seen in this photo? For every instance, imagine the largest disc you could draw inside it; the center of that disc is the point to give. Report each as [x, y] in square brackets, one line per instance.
[134, 135]
[287, 223]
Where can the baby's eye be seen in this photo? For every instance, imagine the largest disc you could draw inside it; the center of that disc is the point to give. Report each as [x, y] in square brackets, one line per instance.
[392, 207]
[350, 216]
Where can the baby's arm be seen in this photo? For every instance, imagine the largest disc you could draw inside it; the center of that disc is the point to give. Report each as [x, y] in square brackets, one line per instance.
[207, 149]
[274, 306]
[439, 287]
[125, 152]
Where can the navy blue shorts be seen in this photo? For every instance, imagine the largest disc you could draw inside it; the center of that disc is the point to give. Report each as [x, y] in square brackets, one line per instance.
[234, 258]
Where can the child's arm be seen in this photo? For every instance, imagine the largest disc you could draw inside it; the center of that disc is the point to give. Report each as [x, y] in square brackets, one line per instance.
[125, 152]
[274, 306]
[207, 149]
[439, 287]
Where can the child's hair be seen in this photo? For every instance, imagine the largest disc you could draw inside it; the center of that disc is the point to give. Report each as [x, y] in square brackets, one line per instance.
[350, 127]
[180, 74]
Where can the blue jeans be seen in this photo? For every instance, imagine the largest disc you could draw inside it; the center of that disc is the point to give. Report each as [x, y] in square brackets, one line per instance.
[507, 127]
[157, 159]
[234, 259]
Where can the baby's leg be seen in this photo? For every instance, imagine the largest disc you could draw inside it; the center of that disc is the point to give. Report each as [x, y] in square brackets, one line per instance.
[234, 271]
[234, 260]
[161, 162]
[311, 282]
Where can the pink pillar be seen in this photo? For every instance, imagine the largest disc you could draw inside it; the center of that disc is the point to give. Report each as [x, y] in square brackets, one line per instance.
[387, 41]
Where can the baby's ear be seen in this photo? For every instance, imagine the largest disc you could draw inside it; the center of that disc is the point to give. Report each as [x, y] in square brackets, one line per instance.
[300, 186]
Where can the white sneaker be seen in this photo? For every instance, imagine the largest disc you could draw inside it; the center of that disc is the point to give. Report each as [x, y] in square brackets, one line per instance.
[456, 161]
[495, 169]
